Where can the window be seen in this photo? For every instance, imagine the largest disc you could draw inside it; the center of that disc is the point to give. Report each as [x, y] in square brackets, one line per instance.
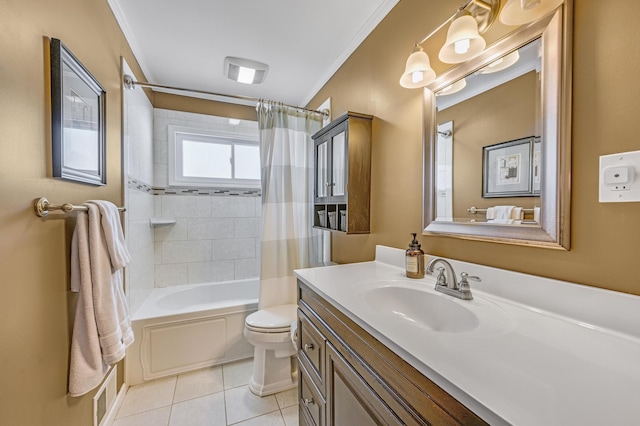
[213, 158]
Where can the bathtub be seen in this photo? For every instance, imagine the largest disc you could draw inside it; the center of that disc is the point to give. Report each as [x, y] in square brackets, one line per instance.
[183, 328]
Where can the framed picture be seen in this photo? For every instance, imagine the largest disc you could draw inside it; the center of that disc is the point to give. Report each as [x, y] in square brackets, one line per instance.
[536, 166]
[77, 120]
[506, 170]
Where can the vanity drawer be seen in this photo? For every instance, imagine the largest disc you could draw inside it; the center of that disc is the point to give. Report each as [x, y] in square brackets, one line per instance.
[311, 349]
[311, 401]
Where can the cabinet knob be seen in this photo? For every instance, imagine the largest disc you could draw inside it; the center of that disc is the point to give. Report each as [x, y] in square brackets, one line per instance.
[308, 346]
[308, 401]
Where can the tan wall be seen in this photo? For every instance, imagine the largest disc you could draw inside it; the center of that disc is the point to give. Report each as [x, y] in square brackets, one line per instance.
[203, 106]
[36, 306]
[605, 108]
[504, 113]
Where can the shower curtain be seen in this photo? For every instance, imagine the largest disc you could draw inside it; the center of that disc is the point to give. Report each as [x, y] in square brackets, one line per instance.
[288, 241]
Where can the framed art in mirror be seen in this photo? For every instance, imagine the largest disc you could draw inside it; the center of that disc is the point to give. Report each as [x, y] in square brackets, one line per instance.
[77, 119]
[508, 169]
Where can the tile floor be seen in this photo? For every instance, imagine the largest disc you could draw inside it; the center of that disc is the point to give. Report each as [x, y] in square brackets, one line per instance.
[212, 396]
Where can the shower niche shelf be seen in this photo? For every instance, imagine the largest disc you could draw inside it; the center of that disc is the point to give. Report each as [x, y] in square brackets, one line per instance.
[342, 179]
[160, 221]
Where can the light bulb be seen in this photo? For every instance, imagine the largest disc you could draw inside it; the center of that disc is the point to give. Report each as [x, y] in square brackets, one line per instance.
[462, 46]
[417, 76]
[246, 75]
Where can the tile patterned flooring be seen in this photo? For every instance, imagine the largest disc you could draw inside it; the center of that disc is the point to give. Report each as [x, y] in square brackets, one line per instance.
[212, 396]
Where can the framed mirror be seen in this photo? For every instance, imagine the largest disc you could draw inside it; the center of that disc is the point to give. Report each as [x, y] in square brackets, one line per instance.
[497, 145]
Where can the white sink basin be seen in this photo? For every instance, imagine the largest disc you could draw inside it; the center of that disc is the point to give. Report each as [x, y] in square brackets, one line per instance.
[433, 311]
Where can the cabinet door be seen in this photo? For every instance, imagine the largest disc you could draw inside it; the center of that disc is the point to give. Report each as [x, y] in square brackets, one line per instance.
[350, 401]
[339, 164]
[322, 168]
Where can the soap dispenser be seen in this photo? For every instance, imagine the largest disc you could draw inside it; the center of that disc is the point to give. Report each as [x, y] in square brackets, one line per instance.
[414, 260]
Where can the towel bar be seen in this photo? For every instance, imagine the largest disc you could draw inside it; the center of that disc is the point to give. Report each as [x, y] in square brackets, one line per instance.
[42, 207]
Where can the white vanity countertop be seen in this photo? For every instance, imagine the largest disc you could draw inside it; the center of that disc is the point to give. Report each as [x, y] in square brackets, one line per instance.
[545, 351]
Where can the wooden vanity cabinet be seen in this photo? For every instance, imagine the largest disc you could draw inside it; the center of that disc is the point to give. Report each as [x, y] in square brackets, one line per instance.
[342, 174]
[356, 380]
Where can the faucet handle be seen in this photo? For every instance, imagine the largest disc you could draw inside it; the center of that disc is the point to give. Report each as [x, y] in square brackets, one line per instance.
[463, 286]
[441, 279]
[465, 276]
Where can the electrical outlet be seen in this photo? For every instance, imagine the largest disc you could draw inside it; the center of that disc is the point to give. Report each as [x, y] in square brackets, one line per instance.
[620, 177]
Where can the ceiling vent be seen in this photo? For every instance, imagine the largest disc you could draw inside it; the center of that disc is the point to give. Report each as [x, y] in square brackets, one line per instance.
[245, 70]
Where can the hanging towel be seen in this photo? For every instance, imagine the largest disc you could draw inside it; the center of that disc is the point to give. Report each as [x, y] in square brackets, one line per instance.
[110, 219]
[503, 212]
[102, 328]
[517, 213]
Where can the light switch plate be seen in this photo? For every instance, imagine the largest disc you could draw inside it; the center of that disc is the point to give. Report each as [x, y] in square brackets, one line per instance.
[620, 177]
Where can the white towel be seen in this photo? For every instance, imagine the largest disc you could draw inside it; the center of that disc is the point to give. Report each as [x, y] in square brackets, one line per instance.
[503, 212]
[113, 235]
[491, 213]
[102, 328]
[517, 213]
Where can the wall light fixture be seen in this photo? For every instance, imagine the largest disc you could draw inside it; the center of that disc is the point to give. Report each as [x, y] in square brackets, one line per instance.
[519, 12]
[464, 40]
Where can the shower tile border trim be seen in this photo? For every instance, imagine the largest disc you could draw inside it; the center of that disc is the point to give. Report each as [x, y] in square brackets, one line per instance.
[137, 185]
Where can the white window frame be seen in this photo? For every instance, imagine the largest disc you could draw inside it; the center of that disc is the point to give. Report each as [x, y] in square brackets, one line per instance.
[176, 176]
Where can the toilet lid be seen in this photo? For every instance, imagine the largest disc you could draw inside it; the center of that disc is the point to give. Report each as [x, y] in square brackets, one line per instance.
[274, 319]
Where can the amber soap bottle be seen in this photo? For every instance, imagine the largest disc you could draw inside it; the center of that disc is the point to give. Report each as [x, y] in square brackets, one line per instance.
[414, 260]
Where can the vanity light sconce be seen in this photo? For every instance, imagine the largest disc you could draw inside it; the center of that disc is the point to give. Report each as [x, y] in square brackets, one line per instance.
[520, 12]
[464, 40]
[417, 71]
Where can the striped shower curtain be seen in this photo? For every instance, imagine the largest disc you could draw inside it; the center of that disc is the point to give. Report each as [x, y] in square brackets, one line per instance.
[288, 241]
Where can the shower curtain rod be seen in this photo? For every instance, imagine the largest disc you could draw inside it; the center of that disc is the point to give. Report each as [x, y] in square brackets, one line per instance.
[129, 83]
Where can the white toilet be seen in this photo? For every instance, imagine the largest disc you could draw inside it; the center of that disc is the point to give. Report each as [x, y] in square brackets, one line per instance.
[270, 332]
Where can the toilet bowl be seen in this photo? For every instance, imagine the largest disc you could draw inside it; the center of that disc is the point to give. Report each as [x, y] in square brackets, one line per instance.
[269, 331]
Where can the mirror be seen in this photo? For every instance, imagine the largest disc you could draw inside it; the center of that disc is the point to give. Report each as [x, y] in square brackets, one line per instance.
[497, 140]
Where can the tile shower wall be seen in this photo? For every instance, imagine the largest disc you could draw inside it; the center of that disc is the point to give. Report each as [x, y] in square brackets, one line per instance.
[216, 236]
[214, 239]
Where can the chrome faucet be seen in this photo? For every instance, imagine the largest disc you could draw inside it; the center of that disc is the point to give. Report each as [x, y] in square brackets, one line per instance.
[446, 280]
